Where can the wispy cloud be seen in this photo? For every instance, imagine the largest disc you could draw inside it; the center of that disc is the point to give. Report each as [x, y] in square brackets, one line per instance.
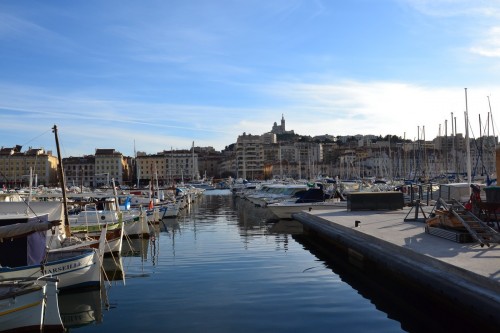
[489, 44]
[15, 27]
[482, 31]
[95, 121]
[379, 108]
[167, 74]
[32, 103]
[33, 35]
[311, 108]
[448, 8]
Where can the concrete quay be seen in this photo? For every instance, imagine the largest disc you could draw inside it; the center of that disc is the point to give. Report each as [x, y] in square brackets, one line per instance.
[462, 275]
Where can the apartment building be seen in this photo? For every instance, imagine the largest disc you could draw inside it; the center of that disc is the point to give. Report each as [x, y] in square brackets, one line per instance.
[79, 171]
[16, 167]
[250, 156]
[167, 167]
[109, 165]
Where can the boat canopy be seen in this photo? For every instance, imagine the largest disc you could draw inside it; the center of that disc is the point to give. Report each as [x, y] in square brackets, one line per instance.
[20, 229]
[29, 248]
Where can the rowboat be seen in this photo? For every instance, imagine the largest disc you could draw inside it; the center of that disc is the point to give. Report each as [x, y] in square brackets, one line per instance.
[29, 304]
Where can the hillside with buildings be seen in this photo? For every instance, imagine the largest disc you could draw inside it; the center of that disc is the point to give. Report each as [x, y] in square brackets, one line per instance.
[279, 153]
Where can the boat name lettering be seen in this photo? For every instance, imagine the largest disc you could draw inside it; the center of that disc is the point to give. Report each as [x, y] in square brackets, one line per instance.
[63, 268]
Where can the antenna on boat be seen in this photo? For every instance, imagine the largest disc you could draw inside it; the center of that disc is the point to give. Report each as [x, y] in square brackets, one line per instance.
[63, 183]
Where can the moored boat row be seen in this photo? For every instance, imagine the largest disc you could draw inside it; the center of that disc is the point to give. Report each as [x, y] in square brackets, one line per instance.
[55, 242]
[34, 245]
[31, 272]
[284, 199]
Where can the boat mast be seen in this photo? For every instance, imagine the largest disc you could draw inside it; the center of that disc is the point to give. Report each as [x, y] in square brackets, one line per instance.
[469, 171]
[492, 151]
[62, 181]
[192, 161]
[405, 155]
[447, 148]
[31, 191]
[281, 165]
[491, 118]
[170, 165]
[454, 152]
[137, 171]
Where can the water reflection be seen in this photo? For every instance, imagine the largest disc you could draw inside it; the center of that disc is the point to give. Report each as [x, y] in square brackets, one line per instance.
[113, 269]
[82, 308]
[171, 226]
[136, 247]
[144, 247]
[289, 227]
[250, 216]
[224, 286]
[416, 310]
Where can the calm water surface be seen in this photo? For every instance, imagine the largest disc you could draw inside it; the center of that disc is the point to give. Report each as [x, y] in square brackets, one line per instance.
[223, 267]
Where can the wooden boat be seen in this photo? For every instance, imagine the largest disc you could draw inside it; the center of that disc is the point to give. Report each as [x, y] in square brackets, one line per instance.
[32, 243]
[171, 210]
[29, 304]
[92, 223]
[23, 253]
[104, 211]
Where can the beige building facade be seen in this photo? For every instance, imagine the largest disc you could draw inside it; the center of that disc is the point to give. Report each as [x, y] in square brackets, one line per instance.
[16, 167]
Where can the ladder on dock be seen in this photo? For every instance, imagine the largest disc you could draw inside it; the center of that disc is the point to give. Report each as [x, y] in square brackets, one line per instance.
[477, 228]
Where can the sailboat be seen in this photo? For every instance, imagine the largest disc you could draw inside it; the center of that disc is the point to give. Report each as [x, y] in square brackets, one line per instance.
[32, 244]
[110, 235]
[24, 244]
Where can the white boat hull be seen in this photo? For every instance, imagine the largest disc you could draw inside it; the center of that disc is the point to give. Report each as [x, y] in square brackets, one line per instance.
[29, 304]
[114, 234]
[172, 210]
[137, 227]
[285, 210]
[23, 311]
[75, 269]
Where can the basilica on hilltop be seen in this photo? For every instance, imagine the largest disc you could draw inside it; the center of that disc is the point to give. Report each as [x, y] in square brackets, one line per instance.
[280, 129]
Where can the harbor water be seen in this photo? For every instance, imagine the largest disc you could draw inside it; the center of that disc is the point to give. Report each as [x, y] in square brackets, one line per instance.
[224, 266]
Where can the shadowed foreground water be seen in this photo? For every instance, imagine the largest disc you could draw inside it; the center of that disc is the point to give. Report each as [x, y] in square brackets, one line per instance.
[223, 266]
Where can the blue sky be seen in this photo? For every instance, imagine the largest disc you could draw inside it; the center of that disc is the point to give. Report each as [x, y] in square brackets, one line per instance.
[157, 75]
